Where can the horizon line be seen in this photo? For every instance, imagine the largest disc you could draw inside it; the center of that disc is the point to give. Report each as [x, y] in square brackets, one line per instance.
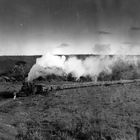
[77, 55]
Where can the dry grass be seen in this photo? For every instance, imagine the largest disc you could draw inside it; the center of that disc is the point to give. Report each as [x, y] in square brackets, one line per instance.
[78, 114]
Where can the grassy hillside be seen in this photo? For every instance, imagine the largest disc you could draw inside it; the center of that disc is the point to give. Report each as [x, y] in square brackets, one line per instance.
[109, 112]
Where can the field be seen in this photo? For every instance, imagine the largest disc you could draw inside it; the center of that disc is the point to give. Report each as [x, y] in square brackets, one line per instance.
[92, 113]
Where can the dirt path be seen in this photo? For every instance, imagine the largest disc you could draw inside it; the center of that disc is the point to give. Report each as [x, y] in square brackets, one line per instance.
[7, 130]
[5, 102]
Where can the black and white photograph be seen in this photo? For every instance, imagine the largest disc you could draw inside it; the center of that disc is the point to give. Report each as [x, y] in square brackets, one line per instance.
[69, 69]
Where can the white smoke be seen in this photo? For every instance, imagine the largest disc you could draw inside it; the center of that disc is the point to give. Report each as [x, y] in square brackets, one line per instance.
[91, 66]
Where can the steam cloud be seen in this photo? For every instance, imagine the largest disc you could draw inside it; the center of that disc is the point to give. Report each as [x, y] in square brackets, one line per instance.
[90, 66]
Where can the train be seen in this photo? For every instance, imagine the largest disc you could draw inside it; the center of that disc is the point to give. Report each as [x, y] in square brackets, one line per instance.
[32, 88]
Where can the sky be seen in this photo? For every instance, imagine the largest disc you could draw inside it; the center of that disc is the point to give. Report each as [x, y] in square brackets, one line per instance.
[31, 27]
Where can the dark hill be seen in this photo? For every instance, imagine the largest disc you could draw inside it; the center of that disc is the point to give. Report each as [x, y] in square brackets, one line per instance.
[8, 62]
